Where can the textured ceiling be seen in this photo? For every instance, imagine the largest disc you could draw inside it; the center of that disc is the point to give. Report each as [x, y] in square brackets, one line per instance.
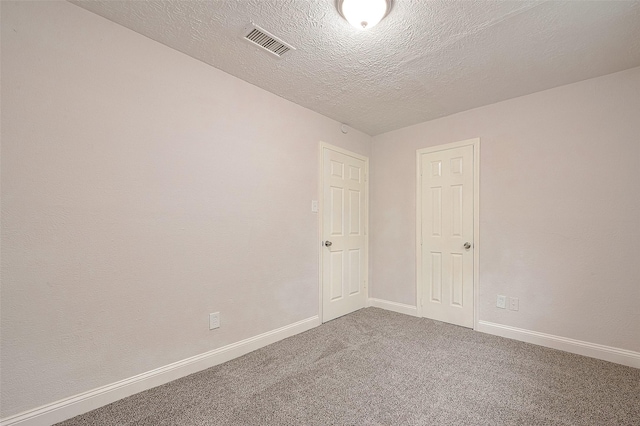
[427, 59]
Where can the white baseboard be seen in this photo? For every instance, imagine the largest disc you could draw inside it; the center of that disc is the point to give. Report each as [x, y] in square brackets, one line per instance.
[400, 308]
[593, 350]
[87, 401]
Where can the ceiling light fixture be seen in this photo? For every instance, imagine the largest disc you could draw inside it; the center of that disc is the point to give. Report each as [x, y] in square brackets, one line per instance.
[363, 14]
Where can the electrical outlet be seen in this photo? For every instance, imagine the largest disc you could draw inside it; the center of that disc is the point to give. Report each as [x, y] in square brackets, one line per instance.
[501, 302]
[314, 206]
[214, 320]
[513, 303]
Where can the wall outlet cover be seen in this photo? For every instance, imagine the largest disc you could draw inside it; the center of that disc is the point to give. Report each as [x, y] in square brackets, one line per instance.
[514, 303]
[214, 320]
[501, 302]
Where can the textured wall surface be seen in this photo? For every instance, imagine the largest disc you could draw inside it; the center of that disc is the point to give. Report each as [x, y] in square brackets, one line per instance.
[142, 190]
[559, 208]
[427, 59]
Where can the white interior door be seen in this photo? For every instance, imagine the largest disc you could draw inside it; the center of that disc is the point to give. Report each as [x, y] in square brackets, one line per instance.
[447, 235]
[344, 218]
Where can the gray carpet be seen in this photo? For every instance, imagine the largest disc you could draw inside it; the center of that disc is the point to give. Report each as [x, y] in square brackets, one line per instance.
[375, 367]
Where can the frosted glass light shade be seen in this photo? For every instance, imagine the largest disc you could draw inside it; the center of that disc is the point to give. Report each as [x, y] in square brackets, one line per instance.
[364, 14]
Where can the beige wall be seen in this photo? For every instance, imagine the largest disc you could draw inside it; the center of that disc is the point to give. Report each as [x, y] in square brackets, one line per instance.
[142, 190]
[559, 208]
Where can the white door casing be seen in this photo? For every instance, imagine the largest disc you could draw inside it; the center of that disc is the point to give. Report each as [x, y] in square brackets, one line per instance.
[447, 237]
[344, 250]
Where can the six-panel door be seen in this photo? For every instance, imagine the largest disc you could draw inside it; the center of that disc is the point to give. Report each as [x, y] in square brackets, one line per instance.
[447, 226]
[344, 220]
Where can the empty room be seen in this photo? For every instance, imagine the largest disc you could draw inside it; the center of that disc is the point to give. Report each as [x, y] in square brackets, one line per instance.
[319, 212]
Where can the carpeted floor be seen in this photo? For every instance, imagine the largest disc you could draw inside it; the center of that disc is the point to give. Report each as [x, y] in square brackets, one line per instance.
[375, 367]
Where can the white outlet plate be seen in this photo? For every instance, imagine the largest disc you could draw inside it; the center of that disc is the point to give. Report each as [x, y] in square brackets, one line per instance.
[214, 320]
[501, 302]
[314, 206]
[514, 304]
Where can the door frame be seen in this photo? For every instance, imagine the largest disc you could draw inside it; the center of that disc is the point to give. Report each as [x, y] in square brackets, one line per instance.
[476, 221]
[321, 148]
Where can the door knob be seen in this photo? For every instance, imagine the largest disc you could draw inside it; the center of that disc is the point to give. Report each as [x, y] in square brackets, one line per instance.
[467, 245]
[328, 243]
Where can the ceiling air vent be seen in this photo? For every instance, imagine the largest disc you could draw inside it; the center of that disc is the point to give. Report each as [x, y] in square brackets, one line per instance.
[268, 42]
